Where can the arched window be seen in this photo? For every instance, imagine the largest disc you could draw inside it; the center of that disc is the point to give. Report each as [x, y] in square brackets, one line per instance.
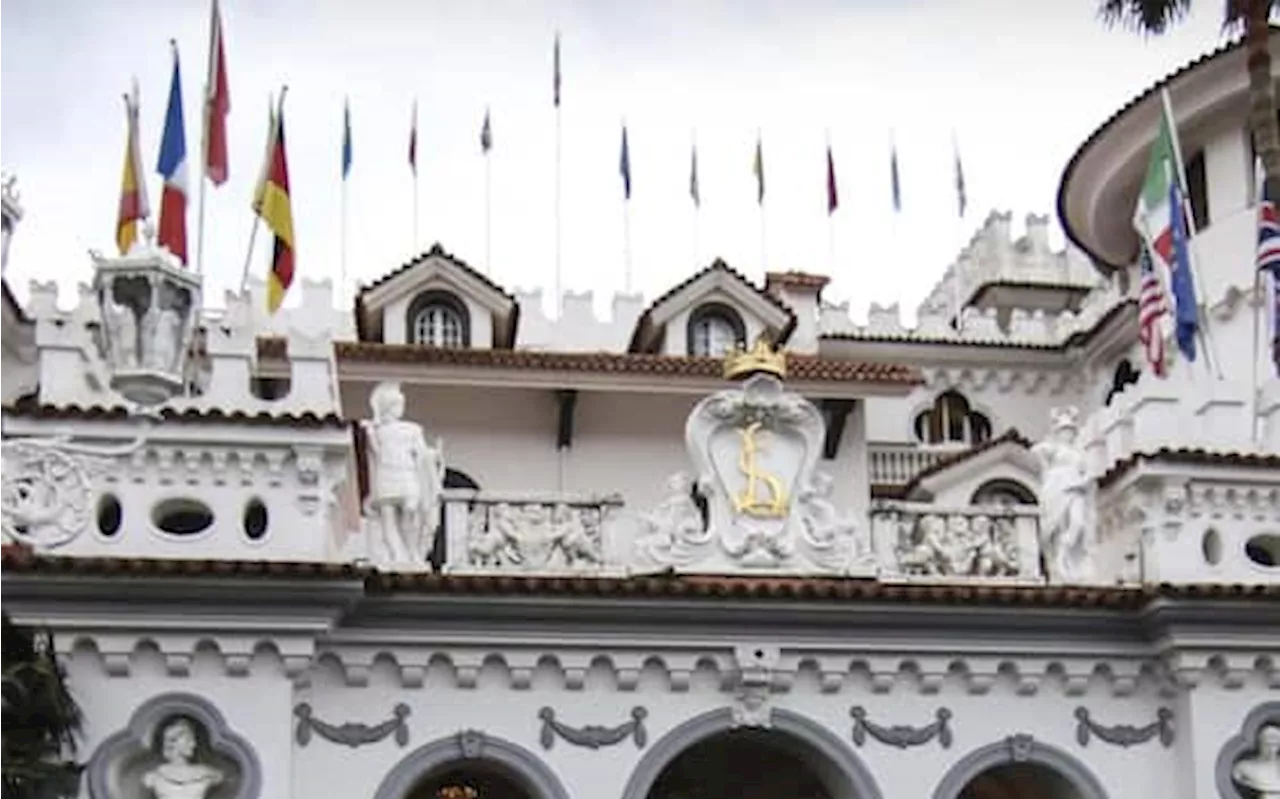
[438, 319]
[714, 329]
[1005, 493]
[951, 420]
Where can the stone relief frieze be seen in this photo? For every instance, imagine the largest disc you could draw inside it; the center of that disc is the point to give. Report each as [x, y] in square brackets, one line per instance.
[902, 735]
[533, 535]
[46, 487]
[755, 500]
[1125, 735]
[351, 733]
[593, 736]
[961, 543]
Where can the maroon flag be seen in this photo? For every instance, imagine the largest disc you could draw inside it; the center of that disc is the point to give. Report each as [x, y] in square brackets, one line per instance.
[217, 105]
[833, 199]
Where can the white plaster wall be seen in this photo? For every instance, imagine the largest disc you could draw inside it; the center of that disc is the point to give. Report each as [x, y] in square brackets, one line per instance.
[892, 419]
[439, 710]
[1210, 714]
[257, 706]
[959, 493]
[577, 328]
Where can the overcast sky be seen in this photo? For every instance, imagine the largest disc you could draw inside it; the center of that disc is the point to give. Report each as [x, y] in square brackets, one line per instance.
[1020, 83]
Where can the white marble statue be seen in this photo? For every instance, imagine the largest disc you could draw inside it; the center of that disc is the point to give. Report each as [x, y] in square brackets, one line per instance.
[1067, 496]
[122, 335]
[406, 475]
[674, 532]
[178, 777]
[832, 537]
[166, 337]
[1260, 772]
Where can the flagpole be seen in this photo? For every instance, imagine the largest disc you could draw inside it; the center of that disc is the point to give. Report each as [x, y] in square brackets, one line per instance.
[1202, 327]
[558, 300]
[257, 218]
[626, 246]
[1253, 363]
[831, 214]
[204, 165]
[695, 194]
[488, 216]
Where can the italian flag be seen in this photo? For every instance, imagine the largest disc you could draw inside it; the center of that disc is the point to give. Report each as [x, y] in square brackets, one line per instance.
[1161, 220]
[1153, 217]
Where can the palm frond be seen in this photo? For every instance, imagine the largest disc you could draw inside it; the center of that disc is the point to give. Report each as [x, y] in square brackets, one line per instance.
[1148, 17]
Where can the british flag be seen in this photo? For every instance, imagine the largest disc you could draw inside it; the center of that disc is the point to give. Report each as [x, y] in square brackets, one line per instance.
[1151, 309]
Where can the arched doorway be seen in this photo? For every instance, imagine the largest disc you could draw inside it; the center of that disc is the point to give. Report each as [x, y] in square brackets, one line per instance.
[1019, 766]
[1018, 780]
[471, 779]
[708, 757]
[471, 761]
[745, 763]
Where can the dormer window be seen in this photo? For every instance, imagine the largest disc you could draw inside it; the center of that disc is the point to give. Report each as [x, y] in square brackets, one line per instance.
[439, 319]
[715, 329]
[952, 421]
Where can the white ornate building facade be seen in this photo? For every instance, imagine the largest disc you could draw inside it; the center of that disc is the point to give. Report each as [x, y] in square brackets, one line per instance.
[723, 544]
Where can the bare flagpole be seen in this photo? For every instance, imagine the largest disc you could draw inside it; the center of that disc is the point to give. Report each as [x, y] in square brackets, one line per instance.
[556, 80]
[414, 248]
[488, 216]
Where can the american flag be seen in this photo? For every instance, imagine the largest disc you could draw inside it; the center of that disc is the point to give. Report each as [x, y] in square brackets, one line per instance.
[1151, 308]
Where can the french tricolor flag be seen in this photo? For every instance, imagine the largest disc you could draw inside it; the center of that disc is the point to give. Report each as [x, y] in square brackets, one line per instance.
[173, 166]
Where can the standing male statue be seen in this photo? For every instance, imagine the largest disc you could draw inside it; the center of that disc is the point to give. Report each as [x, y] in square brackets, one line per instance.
[1067, 529]
[406, 475]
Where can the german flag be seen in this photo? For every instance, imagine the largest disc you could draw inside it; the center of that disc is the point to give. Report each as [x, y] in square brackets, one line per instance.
[275, 210]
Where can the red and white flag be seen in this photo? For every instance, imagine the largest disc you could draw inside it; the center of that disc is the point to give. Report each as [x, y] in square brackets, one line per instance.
[217, 105]
[1152, 309]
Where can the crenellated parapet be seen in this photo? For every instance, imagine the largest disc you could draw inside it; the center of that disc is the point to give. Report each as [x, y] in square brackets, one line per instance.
[577, 328]
[1004, 291]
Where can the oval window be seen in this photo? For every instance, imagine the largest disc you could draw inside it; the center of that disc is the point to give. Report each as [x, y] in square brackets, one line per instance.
[110, 515]
[1211, 546]
[255, 519]
[1264, 549]
[182, 516]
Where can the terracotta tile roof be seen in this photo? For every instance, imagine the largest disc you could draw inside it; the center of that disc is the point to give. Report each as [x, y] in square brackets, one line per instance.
[799, 367]
[437, 250]
[1190, 456]
[642, 323]
[30, 409]
[1010, 436]
[806, 280]
[1102, 129]
[697, 587]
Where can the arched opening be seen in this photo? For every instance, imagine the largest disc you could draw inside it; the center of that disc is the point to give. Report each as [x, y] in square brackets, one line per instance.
[715, 329]
[1019, 766]
[747, 763]
[1004, 493]
[1019, 779]
[471, 779]
[951, 420]
[438, 319]
[710, 756]
[492, 767]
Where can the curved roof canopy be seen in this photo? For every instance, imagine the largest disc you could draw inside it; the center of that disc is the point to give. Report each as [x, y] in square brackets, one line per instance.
[1099, 187]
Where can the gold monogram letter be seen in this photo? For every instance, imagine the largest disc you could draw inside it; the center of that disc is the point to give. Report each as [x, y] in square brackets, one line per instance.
[774, 504]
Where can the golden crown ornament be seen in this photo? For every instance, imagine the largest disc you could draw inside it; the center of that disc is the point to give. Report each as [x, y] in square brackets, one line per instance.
[762, 358]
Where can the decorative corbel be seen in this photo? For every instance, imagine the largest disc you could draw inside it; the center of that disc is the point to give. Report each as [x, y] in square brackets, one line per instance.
[836, 412]
[593, 736]
[901, 735]
[566, 402]
[1125, 735]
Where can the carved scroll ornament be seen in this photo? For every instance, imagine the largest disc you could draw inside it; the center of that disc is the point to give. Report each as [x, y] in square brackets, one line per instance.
[45, 501]
[351, 733]
[593, 736]
[1125, 735]
[902, 735]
